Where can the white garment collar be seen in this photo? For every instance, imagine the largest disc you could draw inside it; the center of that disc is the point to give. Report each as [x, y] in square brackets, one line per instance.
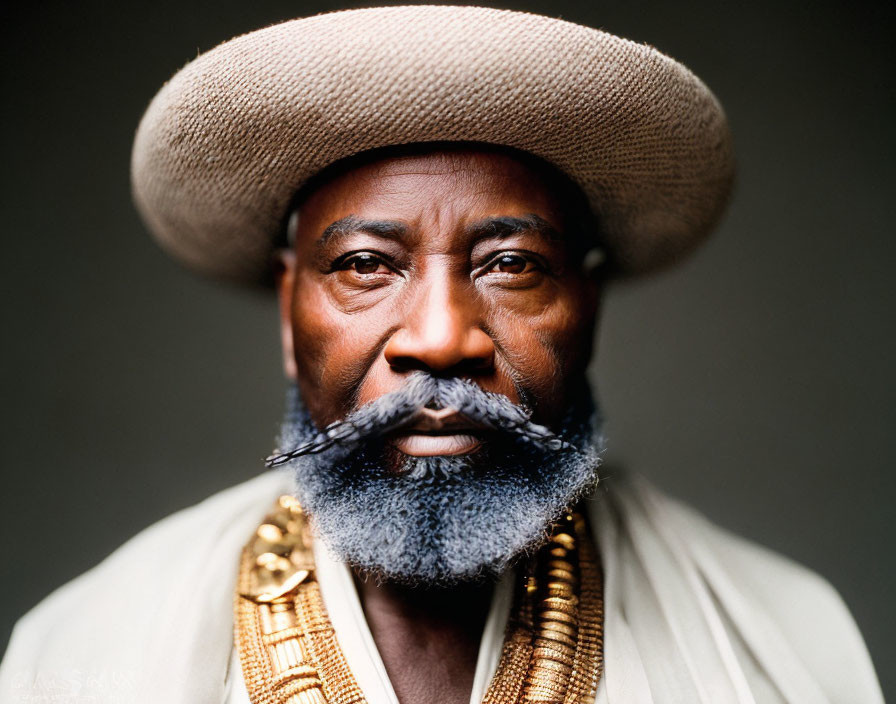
[692, 614]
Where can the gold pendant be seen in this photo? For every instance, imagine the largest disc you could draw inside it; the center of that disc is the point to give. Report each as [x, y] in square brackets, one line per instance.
[553, 648]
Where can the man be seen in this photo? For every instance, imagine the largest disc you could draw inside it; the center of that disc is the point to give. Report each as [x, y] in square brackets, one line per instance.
[440, 195]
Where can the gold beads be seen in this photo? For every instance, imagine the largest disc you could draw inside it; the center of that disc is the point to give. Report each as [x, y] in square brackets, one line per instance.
[554, 639]
[556, 619]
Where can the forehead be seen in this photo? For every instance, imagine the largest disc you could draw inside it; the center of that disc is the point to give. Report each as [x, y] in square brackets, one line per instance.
[450, 185]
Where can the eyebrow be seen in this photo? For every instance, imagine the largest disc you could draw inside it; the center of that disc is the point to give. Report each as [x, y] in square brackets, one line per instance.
[493, 227]
[389, 229]
[507, 226]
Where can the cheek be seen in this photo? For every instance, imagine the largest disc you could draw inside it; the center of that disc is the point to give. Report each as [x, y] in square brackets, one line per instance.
[333, 351]
[546, 341]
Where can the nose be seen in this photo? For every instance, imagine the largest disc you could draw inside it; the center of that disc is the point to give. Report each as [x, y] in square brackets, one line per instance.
[441, 333]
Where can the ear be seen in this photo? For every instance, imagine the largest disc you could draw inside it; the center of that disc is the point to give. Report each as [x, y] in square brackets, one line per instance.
[285, 276]
[594, 269]
[594, 262]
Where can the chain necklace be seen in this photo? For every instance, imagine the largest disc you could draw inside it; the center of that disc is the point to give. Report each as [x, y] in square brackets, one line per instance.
[553, 647]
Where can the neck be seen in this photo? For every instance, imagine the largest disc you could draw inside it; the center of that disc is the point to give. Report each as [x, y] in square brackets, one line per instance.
[428, 638]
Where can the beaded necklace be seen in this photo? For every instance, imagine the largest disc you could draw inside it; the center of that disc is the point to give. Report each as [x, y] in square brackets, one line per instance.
[553, 647]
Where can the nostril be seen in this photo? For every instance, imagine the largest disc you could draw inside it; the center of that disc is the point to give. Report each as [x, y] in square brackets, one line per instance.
[407, 363]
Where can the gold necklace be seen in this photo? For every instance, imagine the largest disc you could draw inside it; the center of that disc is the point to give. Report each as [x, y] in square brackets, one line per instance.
[553, 647]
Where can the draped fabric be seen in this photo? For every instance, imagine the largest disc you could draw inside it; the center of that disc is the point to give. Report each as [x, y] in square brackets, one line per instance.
[692, 614]
[696, 614]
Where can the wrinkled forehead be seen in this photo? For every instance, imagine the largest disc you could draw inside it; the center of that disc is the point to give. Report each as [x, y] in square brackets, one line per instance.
[460, 181]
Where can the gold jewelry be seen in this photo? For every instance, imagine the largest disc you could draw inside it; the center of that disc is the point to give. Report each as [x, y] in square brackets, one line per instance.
[553, 648]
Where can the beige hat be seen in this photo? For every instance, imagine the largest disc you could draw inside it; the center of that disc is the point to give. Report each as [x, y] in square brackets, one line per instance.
[226, 143]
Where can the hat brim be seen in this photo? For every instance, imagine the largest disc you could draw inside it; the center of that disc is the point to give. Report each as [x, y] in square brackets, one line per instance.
[227, 142]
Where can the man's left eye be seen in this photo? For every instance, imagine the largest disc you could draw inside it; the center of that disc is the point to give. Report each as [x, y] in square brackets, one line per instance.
[511, 263]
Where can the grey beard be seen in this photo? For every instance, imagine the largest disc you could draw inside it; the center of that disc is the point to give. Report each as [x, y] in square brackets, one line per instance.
[445, 519]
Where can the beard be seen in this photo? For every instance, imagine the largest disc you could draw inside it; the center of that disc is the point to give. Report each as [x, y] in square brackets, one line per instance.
[440, 520]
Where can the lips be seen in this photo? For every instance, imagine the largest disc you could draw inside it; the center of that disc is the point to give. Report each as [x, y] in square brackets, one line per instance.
[438, 432]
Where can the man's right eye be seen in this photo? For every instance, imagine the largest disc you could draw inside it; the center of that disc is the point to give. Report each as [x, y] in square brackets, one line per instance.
[363, 264]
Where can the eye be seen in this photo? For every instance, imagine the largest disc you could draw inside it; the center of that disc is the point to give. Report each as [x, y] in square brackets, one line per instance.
[363, 263]
[512, 263]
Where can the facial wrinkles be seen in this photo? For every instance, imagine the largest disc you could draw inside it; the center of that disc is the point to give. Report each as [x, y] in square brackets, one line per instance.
[343, 341]
[437, 297]
[546, 350]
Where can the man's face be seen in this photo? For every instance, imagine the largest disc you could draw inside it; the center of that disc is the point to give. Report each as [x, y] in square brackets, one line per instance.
[436, 312]
[452, 262]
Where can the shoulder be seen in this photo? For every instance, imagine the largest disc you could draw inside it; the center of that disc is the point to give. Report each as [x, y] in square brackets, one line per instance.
[100, 626]
[785, 600]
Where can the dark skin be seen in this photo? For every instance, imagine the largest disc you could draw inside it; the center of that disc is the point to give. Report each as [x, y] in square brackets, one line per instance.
[456, 262]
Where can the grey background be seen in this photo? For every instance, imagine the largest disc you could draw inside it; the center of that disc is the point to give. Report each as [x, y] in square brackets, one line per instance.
[755, 381]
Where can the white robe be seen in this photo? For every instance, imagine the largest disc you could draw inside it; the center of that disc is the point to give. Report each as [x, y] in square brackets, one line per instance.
[693, 614]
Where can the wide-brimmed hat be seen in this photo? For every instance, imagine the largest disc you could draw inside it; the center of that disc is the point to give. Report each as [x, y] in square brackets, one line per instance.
[227, 142]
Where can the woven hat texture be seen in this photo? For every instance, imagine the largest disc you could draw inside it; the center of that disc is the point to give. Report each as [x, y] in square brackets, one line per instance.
[227, 142]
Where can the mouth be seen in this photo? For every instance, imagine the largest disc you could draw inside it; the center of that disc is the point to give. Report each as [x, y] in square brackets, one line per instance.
[431, 433]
